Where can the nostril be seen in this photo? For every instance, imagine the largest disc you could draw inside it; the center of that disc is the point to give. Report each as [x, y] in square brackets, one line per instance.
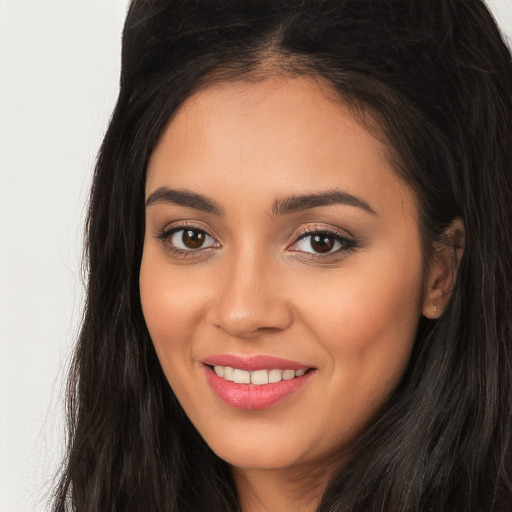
[252, 322]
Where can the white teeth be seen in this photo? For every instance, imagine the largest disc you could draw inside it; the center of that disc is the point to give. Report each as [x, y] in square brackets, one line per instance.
[241, 377]
[275, 376]
[257, 377]
[288, 374]
[228, 373]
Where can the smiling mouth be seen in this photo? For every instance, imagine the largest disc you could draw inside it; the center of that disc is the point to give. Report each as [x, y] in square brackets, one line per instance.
[258, 388]
[257, 377]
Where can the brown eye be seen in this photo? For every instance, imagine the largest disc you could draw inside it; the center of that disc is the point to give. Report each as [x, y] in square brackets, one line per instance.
[188, 239]
[193, 239]
[322, 243]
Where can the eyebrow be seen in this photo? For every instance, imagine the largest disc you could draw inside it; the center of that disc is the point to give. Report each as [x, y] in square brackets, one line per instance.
[303, 202]
[280, 207]
[184, 198]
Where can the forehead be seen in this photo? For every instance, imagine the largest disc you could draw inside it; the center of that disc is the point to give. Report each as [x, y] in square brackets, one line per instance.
[282, 135]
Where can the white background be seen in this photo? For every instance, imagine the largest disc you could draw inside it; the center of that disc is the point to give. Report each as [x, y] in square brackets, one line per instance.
[59, 72]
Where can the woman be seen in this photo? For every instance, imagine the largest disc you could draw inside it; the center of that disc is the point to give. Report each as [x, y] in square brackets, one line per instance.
[299, 248]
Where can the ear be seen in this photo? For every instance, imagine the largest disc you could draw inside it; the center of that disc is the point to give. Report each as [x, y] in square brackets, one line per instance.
[443, 268]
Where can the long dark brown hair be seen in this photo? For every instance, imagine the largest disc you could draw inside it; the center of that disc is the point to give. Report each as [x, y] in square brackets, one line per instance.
[436, 78]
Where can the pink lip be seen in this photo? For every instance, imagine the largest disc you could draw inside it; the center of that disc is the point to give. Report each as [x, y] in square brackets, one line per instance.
[252, 363]
[251, 396]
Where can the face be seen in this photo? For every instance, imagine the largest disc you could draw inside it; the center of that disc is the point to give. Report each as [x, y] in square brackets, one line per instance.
[282, 273]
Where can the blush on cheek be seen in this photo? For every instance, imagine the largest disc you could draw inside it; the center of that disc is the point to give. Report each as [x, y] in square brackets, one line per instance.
[164, 315]
[370, 337]
[169, 305]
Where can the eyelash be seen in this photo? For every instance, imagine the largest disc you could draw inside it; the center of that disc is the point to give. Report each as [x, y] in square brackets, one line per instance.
[347, 244]
[165, 235]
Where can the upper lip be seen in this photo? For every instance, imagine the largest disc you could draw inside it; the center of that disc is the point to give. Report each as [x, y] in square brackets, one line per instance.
[254, 362]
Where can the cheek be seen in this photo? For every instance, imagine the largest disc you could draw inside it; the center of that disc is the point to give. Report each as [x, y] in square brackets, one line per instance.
[366, 322]
[172, 307]
[171, 304]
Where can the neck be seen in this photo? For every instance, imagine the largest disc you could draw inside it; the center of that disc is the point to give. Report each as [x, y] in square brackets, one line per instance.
[281, 489]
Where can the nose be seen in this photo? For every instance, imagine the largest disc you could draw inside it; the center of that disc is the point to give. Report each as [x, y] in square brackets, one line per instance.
[250, 298]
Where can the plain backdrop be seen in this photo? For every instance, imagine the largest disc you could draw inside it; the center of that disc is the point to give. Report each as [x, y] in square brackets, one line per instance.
[59, 74]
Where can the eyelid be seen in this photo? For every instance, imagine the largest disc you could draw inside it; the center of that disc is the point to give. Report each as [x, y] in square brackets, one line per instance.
[185, 224]
[347, 240]
[313, 229]
[167, 232]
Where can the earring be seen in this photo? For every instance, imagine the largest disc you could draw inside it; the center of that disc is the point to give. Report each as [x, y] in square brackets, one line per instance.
[435, 308]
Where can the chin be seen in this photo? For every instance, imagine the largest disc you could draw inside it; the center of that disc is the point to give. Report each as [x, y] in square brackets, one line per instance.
[255, 451]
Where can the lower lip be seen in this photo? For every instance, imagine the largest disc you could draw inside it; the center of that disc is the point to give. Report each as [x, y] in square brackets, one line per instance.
[251, 396]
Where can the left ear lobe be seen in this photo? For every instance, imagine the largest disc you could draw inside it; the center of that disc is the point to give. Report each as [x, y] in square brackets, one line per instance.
[443, 269]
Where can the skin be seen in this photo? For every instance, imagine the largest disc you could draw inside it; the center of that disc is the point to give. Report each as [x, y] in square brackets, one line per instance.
[256, 287]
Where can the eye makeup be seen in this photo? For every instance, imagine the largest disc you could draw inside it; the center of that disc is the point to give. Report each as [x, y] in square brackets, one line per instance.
[188, 239]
